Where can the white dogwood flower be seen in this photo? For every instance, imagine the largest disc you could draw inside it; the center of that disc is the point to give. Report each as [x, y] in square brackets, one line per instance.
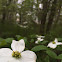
[54, 43]
[17, 54]
[20, 1]
[39, 40]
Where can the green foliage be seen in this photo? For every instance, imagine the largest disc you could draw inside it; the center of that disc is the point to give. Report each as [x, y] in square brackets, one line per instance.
[32, 41]
[51, 54]
[9, 40]
[44, 42]
[2, 42]
[10, 29]
[59, 56]
[55, 32]
[39, 47]
[47, 59]
[19, 37]
[59, 48]
[5, 42]
[59, 39]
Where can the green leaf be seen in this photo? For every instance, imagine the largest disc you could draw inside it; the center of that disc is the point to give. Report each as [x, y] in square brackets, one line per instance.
[2, 44]
[19, 37]
[44, 42]
[32, 40]
[25, 40]
[61, 60]
[51, 54]
[60, 56]
[33, 36]
[46, 59]
[39, 47]
[59, 39]
[9, 40]
[59, 48]
[1, 39]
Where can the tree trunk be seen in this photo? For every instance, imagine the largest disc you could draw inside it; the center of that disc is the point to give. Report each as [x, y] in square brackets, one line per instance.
[51, 16]
[58, 11]
[45, 10]
[3, 17]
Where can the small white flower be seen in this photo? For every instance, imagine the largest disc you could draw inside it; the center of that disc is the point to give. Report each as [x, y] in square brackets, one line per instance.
[38, 40]
[20, 1]
[17, 15]
[41, 6]
[54, 43]
[34, 6]
[17, 54]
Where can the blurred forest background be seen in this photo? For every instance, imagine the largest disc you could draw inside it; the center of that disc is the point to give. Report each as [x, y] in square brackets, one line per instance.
[31, 17]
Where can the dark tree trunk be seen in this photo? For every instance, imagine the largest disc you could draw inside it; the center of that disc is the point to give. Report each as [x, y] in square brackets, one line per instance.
[45, 10]
[3, 17]
[58, 11]
[51, 16]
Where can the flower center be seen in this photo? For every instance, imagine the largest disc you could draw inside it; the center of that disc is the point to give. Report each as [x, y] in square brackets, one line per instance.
[54, 42]
[16, 54]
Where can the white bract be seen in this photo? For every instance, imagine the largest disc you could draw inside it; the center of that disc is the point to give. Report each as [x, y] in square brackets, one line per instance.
[54, 43]
[39, 40]
[17, 54]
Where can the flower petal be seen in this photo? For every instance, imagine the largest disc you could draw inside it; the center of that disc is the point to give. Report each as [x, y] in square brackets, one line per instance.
[36, 42]
[5, 52]
[8, 59]
[18, 45]
[23, 60]
[20, 1]
[56, 40]
[59, 43]
[28, 56]
[40, 39]
[51, 45]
